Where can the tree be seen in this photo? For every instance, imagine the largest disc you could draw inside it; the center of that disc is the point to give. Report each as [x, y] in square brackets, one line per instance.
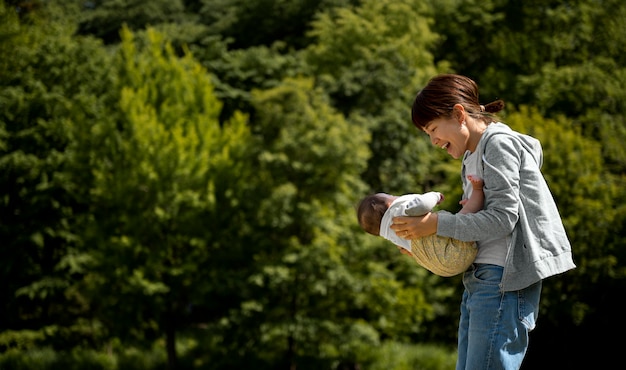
[105, 19]
[165, 172]
[591, 92]
[517, 49]
[264, 22]
[371, 60]
[52, 87]
[314, 297]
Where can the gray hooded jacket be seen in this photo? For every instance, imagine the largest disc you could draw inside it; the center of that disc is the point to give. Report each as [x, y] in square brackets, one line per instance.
[519, 203]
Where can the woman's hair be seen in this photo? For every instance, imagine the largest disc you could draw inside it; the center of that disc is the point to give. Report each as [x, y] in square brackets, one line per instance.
[440, 95]
[370, 212]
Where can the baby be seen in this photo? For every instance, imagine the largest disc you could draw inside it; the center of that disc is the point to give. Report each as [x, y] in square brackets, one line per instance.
[440, 255]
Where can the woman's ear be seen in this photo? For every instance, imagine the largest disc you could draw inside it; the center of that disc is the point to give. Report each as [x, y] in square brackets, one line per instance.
[459, 112]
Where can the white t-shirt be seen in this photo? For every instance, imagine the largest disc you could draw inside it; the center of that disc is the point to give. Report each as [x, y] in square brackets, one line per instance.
[407, 205]
[492, 251]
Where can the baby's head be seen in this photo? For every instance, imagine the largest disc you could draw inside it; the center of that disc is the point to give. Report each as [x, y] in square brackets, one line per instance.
[371, 210]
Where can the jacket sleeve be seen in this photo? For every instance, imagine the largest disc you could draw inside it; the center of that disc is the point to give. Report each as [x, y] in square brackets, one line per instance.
[501, 160]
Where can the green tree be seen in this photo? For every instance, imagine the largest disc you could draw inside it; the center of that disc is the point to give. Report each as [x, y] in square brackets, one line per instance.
[593, 93]
[52, 85]
[563, 58]
[165, 174]
[372, 59]
[322, 291]
[105, 19]
[237, 72]
[263, 22]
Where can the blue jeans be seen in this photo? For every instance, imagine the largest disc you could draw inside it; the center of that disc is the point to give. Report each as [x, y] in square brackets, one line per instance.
[494, 326]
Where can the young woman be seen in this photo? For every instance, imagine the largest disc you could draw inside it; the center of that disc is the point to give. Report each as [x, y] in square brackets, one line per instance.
[520, 236]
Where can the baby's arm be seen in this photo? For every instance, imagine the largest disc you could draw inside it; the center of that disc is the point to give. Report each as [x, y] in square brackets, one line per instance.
[477, 199]
[421, 204]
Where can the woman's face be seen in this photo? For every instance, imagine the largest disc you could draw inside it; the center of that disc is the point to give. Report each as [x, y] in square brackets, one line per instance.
[449, 134]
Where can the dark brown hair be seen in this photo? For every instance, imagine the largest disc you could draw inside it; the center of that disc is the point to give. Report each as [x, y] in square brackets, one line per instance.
[370, 212]
[440, 95]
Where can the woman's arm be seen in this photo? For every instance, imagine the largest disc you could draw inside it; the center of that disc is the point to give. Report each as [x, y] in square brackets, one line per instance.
[501, 177]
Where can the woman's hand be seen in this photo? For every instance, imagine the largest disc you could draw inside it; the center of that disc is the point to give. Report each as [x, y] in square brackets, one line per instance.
[412, 227]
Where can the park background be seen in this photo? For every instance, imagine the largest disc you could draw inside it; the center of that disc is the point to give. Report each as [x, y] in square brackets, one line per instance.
[179, 177]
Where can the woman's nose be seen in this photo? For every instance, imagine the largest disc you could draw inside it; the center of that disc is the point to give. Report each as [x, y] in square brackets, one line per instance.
[433, 140]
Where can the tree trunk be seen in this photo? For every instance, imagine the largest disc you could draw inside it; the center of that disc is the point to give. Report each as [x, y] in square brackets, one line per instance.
[170, 339]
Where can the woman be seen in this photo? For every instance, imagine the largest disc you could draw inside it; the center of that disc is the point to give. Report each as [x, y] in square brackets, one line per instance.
[520, 236]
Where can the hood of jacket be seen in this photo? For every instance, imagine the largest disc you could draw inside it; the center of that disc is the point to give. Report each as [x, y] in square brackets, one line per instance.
[530, 144]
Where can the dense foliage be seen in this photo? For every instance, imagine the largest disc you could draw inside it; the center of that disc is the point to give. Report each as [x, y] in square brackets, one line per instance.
[179, 177]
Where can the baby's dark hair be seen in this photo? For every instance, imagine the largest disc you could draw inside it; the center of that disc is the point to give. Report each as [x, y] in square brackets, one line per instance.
[440, 95]
[370, 212]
